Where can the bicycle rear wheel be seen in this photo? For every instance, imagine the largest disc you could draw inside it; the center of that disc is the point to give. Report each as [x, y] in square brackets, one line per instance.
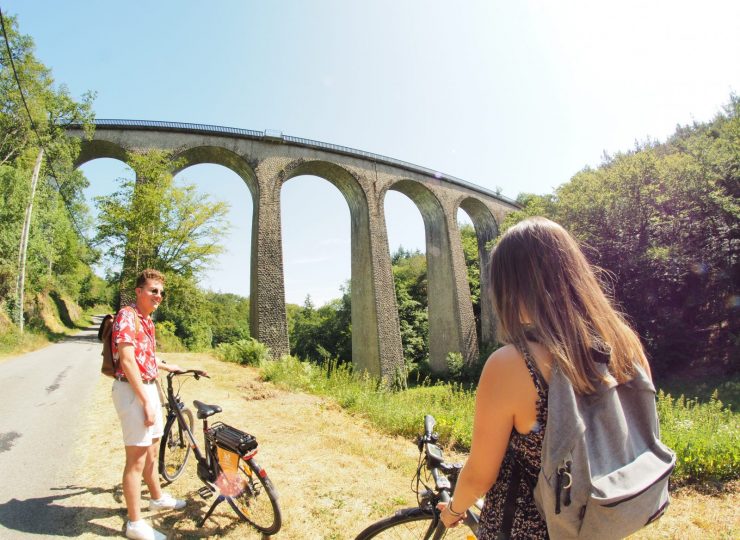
[413, 524]
[174, 448]
[256, 502]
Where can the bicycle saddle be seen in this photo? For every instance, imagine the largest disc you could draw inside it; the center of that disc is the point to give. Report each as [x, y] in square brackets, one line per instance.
[204, 410]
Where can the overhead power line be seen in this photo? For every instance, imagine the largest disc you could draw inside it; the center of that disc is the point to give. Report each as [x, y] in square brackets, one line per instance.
[38, 136]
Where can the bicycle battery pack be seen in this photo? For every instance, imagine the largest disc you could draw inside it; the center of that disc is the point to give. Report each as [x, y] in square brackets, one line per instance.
[232, 439]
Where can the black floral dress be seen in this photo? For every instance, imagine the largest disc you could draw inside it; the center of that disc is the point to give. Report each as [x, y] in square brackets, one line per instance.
[527, 451]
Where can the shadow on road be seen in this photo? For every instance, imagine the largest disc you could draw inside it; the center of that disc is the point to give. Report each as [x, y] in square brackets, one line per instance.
[42, 516]
[88, 334]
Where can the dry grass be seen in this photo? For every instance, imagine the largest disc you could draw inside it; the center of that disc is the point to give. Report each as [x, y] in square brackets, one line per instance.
[334, 473]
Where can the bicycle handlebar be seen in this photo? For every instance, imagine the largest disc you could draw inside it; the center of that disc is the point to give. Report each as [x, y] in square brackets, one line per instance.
[196, 373]
[429, 423]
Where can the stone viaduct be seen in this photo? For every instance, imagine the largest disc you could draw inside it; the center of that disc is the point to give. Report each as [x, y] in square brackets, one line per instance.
[265, 161]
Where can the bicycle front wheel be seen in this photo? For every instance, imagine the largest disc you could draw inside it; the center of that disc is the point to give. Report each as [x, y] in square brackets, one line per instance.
[414, 524]
[174, 448]
[256, 502]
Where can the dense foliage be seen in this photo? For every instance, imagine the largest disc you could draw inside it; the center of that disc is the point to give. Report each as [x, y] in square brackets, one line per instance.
[321, 334]
[196, 320]
[664, 221]
[410, 282]
[324, 333]
[58, 257]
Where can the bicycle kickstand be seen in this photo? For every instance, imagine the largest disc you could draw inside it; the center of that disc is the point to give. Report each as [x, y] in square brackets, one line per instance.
[219, 500]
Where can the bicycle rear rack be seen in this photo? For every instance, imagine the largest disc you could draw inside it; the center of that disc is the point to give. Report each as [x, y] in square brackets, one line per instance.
[231, 439]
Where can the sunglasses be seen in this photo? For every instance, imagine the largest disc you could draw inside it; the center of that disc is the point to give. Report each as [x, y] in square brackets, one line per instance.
[156, 292]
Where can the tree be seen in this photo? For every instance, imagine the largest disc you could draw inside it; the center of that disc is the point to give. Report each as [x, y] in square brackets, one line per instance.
[229, 317]
[664, 222]
[57, 255]
[410, 281]
[153, 222]
[325, 333]
[472, 263]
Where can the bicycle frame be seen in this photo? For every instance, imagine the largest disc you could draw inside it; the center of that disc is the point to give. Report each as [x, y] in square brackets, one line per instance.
[206, 460]
[175, 406]
[423, 521]
[209, 469]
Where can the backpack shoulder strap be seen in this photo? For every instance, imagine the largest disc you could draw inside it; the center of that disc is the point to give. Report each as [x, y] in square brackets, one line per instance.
[137, 324]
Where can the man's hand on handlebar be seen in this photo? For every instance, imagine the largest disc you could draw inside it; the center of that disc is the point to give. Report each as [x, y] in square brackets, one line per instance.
[197, 373]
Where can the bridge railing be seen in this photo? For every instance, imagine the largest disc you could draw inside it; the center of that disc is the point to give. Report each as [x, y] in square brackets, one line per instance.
[309, 143]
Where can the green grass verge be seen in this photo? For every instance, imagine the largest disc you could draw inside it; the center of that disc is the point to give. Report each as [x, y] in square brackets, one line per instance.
[705, 436]
[396, 413]
[12, 342]
[36, 335]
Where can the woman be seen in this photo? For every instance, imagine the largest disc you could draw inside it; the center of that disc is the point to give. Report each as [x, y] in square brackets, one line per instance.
[552, 311]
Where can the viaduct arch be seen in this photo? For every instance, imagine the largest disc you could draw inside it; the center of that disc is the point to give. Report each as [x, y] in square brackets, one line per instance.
[264, 161]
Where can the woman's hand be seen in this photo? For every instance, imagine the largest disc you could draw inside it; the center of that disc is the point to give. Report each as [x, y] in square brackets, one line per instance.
[448, 518]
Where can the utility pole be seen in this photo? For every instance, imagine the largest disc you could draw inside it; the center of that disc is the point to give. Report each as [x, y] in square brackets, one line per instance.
[24, 239]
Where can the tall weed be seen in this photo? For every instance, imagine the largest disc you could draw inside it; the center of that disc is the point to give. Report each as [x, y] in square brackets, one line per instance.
[705, 437]
[395, 412]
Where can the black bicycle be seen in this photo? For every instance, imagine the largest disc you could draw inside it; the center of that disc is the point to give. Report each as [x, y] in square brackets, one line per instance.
[422, 522]
[226, 467]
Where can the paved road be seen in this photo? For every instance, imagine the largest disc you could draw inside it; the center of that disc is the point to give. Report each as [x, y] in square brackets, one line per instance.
[41, 397]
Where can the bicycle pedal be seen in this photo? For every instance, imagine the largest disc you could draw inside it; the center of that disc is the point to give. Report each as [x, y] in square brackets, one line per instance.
[205, 492]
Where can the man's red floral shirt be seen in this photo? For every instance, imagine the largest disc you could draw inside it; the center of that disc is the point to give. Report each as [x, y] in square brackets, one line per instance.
[124, 331]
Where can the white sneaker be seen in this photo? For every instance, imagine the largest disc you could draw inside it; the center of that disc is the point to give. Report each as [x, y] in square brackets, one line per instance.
[141, 530]
[166, 502]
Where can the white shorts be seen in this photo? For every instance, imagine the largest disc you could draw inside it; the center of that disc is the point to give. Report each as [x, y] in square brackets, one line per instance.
[131, 414]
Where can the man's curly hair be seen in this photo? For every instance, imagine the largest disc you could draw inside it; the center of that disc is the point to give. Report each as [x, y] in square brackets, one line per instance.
[149, 273]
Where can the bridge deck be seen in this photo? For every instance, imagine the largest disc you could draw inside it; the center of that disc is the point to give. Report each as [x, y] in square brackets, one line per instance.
[308, 143]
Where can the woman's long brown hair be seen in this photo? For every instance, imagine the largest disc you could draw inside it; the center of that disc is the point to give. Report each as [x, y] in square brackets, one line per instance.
[543, 282]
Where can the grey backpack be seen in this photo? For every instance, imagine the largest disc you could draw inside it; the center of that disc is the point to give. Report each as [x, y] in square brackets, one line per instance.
[604, 471]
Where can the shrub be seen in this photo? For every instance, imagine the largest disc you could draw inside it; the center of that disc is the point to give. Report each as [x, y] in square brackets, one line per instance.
[455, 365]
[705, 437]
[245, 351]
[167, 341]
[195, 334]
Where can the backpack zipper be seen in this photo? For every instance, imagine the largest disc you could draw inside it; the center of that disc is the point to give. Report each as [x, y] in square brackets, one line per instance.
[563, 482]
[662, 477]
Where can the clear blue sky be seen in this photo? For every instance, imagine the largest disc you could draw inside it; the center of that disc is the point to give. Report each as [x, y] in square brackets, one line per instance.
[516, 94]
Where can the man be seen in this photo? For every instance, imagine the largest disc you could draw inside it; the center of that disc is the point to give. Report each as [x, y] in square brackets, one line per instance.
[137, 403]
